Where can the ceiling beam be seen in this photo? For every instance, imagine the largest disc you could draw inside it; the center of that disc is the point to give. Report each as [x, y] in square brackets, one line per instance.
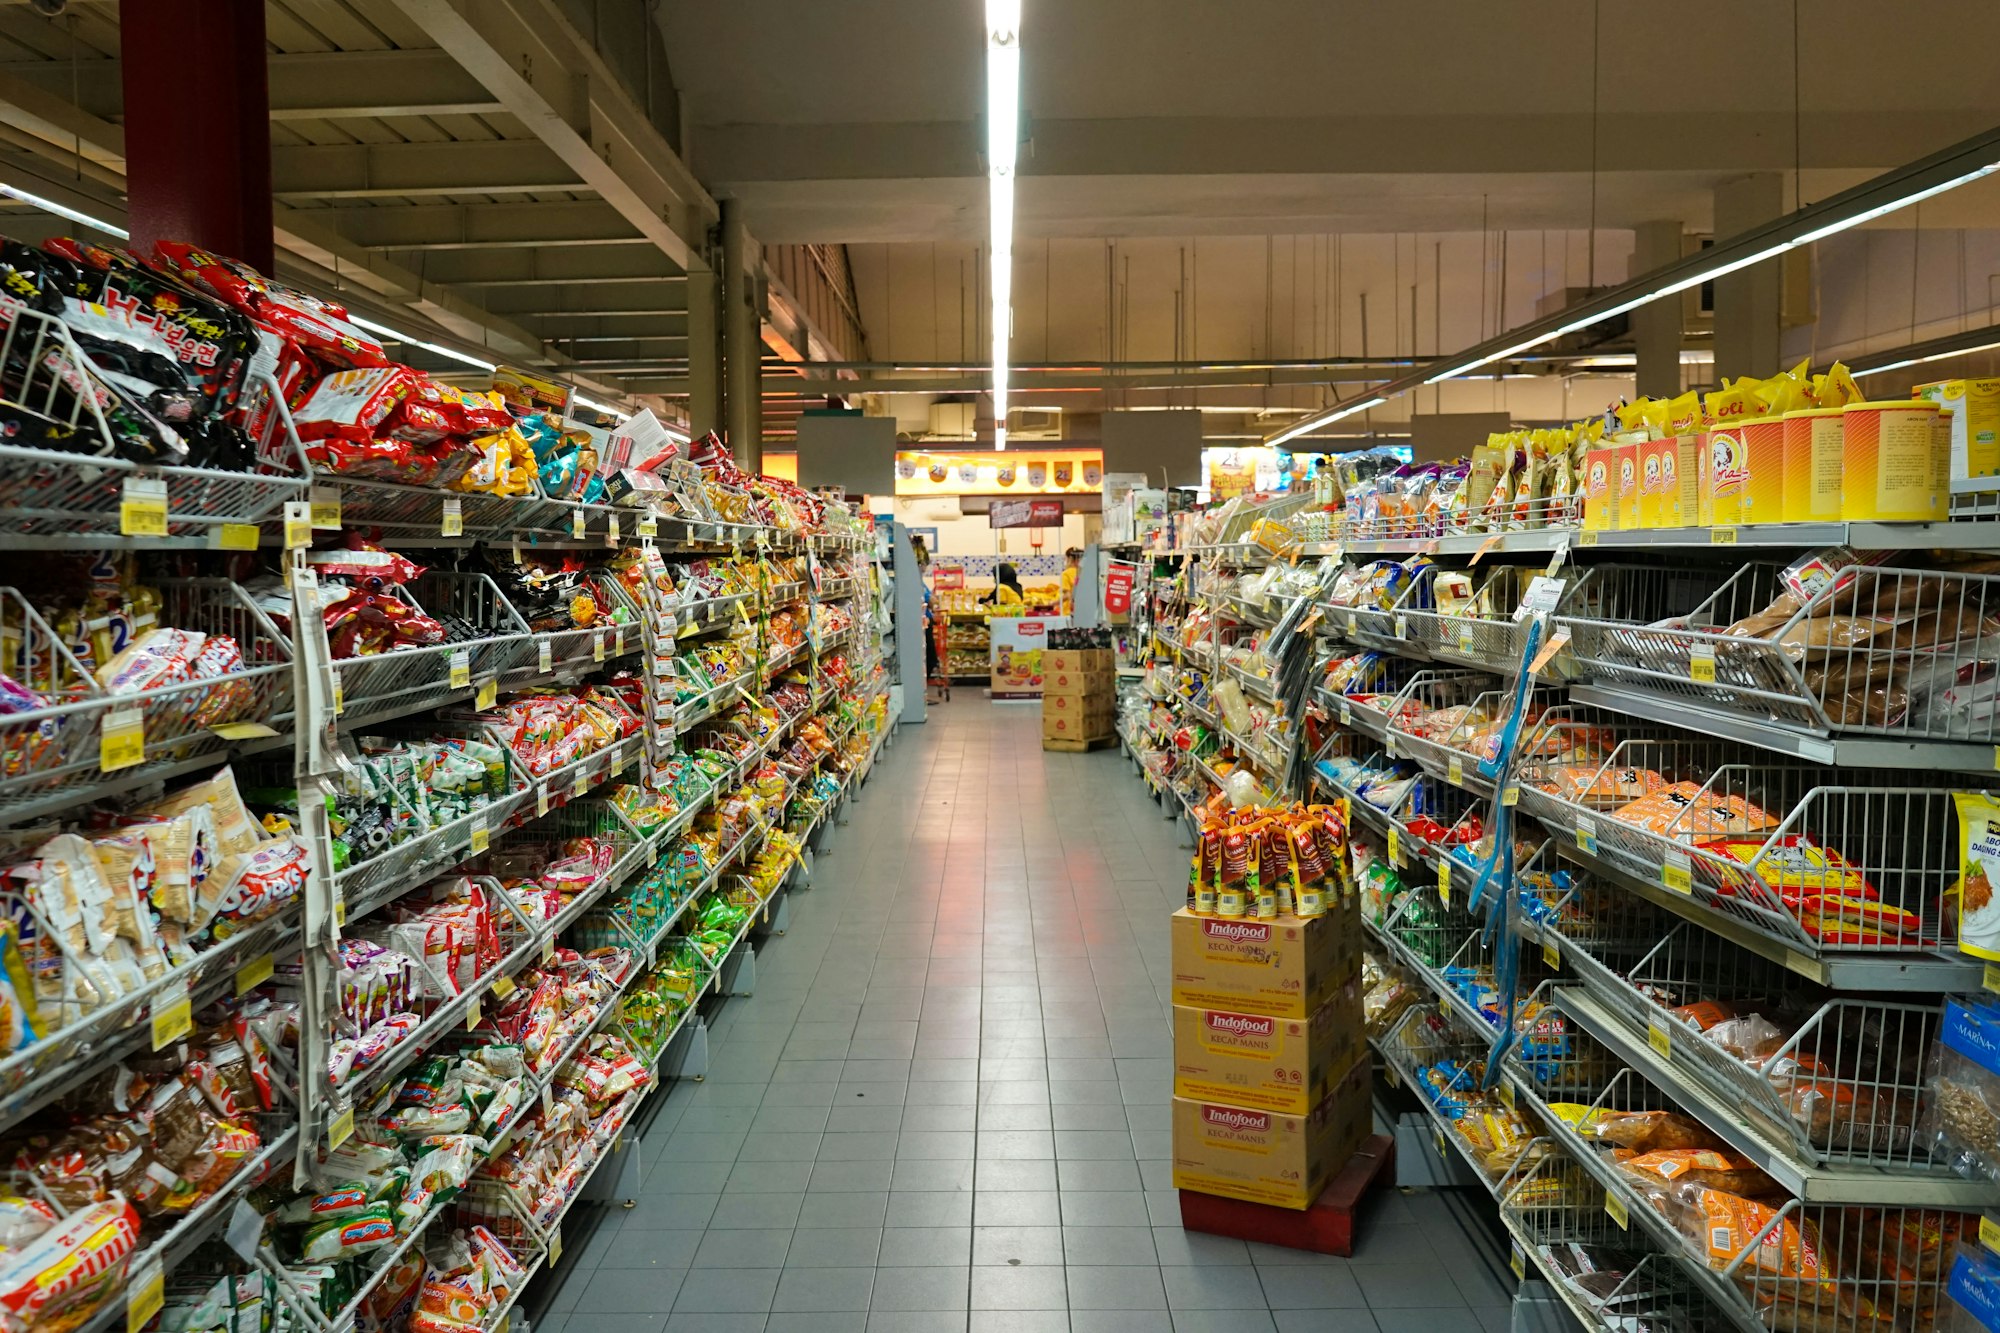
[629, 298]
[527, 54]
[375, 171]
[308, 85]
[485, 226]
[536, 266]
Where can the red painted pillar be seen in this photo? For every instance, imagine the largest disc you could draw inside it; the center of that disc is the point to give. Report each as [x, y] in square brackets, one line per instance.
[198, 125]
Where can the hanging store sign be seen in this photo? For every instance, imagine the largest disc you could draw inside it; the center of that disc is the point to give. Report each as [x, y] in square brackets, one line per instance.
[1025, 513]
[1118, 589]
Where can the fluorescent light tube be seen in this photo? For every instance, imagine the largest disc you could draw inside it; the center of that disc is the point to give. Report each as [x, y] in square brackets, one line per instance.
[1003, 141]
[1325, 419]
[64, 211]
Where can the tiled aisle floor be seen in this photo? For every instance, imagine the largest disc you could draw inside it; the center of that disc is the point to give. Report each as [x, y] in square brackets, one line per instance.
[945, 1108]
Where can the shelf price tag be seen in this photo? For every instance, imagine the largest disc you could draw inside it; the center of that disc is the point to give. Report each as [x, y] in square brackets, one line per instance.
[1517, 1261]
[649, 526]
[1661, 1040]
[577, 523]
[298, 524]
[472, 1016]
[489, 690]
[234, 537]
[254, 973]
[1437, 1139]
[1701, 664]
[1347, 717]
[1391, 1077]
[1614, 1208]
[611, 530]
[145, 1294]
[142, 507]
[1507, 1094]
[339, 701]
[481, 837]
[1402, 626]
[1465, 639]
[1722, 536]
[1454, 771]
[341, 1129]
[597, 646]
[618, 641]
[545, 657]
[452, 522]
[1486, 548]
[1557, 642]
[555, 1246]
[1677, 872]
[1552, 953]
[1353, 623]
[503, 986]
[173, 1014]
[1586, 538]
[580, 786]
[541, 798]
[1586, 837]
[1989, 1233]
[1395, 848]
[1991, 979]
[1389, 743]
[1444, 882]
[325, 502]
[548, 956]
[1510, 795]
[460, 669]
[122, 739]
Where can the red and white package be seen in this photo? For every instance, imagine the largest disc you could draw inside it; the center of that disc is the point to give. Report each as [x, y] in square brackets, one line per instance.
[352, 404]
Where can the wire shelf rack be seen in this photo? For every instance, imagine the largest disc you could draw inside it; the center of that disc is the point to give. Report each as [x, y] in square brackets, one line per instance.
[73, 486]
[409, 680]
[57, 752]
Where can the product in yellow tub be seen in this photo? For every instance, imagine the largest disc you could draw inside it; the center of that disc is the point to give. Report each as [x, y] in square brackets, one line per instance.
[1704, 484]
[1814, 452]
[1625, 469]
[1600, 500]
[1975, 423]
[1763, 442]
[1680, 473]
[1725, 476]
[1652, 499]
[1892, 470]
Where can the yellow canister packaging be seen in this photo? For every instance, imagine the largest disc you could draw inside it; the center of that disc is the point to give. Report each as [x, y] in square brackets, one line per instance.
[1975, 424]
[1763, 443]
[1814, 449]
[1892, 471]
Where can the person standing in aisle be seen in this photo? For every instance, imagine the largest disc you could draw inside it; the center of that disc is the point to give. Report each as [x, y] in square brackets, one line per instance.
[1072, 566]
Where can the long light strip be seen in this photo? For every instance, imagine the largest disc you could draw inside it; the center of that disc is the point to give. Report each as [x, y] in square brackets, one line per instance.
[1314, 423]
[1828, 218]
[1003, 146]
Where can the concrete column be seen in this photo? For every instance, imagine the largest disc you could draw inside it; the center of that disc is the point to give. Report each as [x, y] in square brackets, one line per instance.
[742, 347]
[198, 126]
[1657, 328]
[1748, 302]
[704, 351]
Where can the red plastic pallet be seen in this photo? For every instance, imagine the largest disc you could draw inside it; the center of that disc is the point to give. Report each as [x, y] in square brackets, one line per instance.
[1325, 1228]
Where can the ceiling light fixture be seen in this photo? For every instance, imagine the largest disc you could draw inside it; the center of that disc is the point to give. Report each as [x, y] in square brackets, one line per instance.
[1961, 164]
[1003, 146]
[1323, 419]
[63, 211]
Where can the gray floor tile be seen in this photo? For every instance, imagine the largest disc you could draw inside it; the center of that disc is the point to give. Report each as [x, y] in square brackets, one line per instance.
[1259, 1321]
[834, 1247]
[929, 1208]
[926, 1247]
[1400, 1286]
[757, 1211]
[1185, 1248]
[1017, 1208]
[845, 1208]
[916, 1321]
[1427, 1319]
[1308, 1287]
[626, 1291]
[823, 1290]
[779, 1148]
[651, 1249]
[1135, 1287]
[1098, 1246]
[1019, 1287]
[1215, 1287]
[1019, 1321]
[744, 1248]
[708, 1323]
[628, 1323]
[1118, 1208]
[1017, 1245]
[831, 1177]
[853, 1321]
[727, 1291]
[928, 1288]
[873, 1146]
[1120, 1321]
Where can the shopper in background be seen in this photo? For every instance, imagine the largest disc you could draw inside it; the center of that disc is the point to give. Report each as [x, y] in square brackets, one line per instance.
[1006, 587]
[923, 551]
[931, 671]
[1072, 565]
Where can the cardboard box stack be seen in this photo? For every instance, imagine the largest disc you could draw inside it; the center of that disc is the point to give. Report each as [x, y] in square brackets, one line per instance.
[1271, 1064]
[1078, 698]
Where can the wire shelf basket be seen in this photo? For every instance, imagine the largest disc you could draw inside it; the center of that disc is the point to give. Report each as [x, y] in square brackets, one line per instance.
[56, 752]
[74, 484]
[407, 680]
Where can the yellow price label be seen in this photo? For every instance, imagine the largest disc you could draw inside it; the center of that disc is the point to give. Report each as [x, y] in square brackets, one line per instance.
[142, 508]
[1485, 548]
[576, 524]
[339, 701]
[649, 526]
[1678, 873]
[1518, 1263]
[611, 530]
[472, 1016]
[549, 950]
[243, 731]
[481, 838]
[555, 1246]
[1552, 953]
[1391, 1077]
[580, 785]
[1395, 848]
[122, 739]
[1722, 536]
[597, 646]
[489, 690]
[1437, 1138]
[341, 1129]
[618, 641]
[325, 504]
[503, 986]
[1989, 1233]
[1661, 1040]
[452, 522]
[1586, 837]
[254, 973]
[235, 537]
[541, 798]
[1614, 1208]
[173, 1013]
[1444, 882]
[145, 1295]
[1454, 771]
[298, 524]
[1586, 539]
[1507, 1095]
[460, 669]
[1510, 795]
[1701, 665]
[545, 657]
[340, 911]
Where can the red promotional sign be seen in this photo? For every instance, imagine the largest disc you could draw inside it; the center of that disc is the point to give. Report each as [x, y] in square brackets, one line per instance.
[948, 576]
[1025, 513]
[1118, 589]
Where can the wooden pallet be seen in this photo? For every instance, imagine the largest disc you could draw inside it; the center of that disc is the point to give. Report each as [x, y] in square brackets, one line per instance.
[1078, 747]
[1328, 1227]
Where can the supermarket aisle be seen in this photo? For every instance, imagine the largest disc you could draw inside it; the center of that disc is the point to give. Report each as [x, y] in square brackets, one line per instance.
[945, 1108]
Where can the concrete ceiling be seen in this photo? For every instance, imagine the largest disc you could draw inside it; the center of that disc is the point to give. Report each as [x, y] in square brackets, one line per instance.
[861, 121]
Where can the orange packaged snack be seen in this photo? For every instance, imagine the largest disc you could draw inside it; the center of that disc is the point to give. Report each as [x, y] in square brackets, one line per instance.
[1711, 1168]
[1705, 1014]
[1685, 810]
[1794, 865]
[1598, 787]
[1654, 1131]
[1722, 1224]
